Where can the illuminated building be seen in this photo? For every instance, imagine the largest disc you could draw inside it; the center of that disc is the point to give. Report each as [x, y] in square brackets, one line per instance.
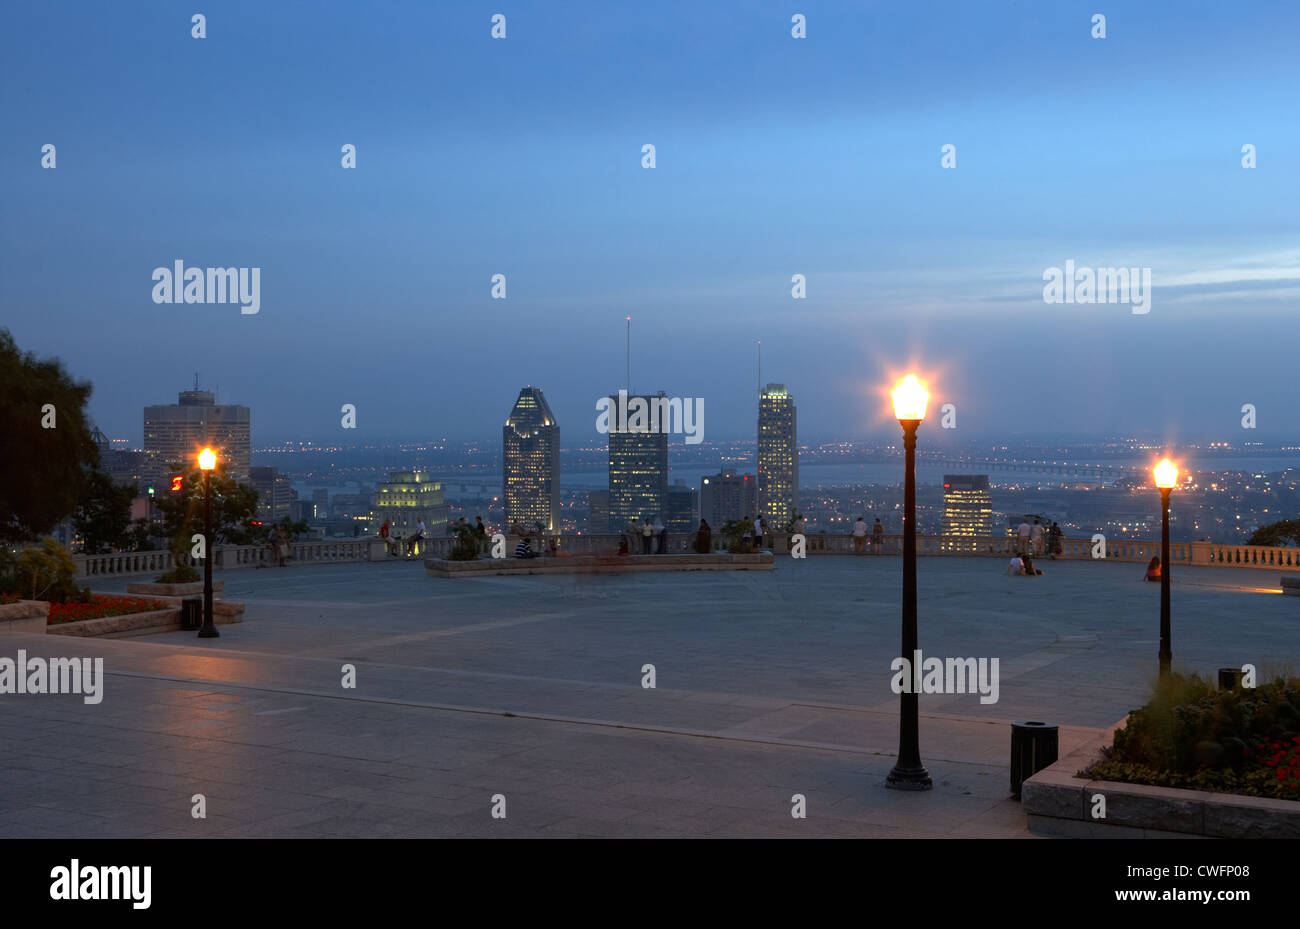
[967, 510]
[174, 433]
[638, 473]
[406, 498]
[680, 506]
[778, 456]
[727, 496]
[530, 457]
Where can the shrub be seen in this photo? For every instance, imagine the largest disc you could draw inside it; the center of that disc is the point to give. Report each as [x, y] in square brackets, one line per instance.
[1190, 735]
[181, 574]
[465, 548]
[49, 573]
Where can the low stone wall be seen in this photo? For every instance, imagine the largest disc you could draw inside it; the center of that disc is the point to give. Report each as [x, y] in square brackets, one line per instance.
[598, 564]
[1060, 804]
[191, 589]
[1291, 586]
[224, 612]
[25, 616]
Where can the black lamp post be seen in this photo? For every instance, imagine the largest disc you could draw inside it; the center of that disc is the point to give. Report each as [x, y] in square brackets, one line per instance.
[1166, 474]
[207, 462]
[909, 773]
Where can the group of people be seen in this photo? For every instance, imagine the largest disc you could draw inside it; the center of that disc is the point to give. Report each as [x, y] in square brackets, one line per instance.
[396, 546]
[860, 531]
[1036, 541]
[279, 542]
[1023, 565]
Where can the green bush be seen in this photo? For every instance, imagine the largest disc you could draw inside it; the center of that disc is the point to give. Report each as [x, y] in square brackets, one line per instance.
[49, 573]
[465, 548]
[1191, 735]
[181, 574]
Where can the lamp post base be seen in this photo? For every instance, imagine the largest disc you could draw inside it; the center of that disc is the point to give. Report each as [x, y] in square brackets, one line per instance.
[209, 633]
[909, 778]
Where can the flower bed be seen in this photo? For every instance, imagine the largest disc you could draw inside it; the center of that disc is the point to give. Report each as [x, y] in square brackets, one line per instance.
[102, 605]
[1243, 741]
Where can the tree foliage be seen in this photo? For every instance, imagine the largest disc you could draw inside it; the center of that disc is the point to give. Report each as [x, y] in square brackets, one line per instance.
[234, 510]
[1286, 532]
[43, 471]
[103, 516]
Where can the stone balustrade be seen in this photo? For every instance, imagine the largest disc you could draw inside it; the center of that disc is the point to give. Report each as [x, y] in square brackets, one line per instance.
[333, 551]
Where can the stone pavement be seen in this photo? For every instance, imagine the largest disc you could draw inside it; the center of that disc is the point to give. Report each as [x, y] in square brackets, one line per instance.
[768, 685]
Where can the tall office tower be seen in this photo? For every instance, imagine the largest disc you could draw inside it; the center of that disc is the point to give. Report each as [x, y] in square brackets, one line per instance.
[598, 511]
[967, 510]
[727, 496]
[406, 498]
[175, 433]
[530, 457]
[638, 470]
[275, 492]
[681, 503]
[778, 456]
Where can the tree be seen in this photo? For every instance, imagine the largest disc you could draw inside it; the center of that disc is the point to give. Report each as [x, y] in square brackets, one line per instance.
[103, 517]
[234, 507]
[1286, 532]
[46, 443]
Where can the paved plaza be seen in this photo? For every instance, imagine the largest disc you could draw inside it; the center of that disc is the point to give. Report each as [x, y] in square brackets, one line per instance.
[767, 685]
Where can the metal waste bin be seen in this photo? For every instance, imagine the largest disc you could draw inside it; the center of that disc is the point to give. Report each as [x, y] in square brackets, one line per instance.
[1034, 746]
[191, 612]
[1230, 678]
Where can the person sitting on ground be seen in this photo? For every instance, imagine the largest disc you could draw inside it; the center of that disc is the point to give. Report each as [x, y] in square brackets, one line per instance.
[524, 549]
[1030, 570]
[1017, 565]
[1153, 569]
[704, 538]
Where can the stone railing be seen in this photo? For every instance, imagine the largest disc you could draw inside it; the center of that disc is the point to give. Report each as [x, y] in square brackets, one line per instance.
[335, 551]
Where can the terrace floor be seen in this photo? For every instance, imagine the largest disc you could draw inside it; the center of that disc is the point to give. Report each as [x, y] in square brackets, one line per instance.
[768, 684]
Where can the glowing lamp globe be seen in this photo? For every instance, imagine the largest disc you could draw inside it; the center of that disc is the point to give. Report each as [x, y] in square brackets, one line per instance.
[207, 459]
[1166, 474]
[910, 398]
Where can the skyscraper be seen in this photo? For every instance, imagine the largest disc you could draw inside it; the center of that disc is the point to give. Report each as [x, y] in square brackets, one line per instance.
[681, 503]
[530, 458]
[275, 491]
[778, 456]
[638, 473]
[967, 510]
[175, 433]
[727, 496]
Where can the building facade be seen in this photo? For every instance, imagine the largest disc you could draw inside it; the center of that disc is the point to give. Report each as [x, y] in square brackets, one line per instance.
[681, 506]
[530, 458]
[967, 510]
[175, 433]
[778, 456]
[406, 498]
[275, 493]
[726, 496]
[638, 474]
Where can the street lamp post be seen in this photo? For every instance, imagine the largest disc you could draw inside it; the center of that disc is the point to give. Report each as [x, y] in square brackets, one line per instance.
[1166, 475]
[909, 773]
[207, 462]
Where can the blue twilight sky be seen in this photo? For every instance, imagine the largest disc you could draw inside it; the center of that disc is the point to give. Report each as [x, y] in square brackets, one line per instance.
[775, 156]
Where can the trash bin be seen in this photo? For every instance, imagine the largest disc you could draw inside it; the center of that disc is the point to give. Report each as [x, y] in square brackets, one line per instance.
[1230, 678]
[191, 612]
[1033, 747]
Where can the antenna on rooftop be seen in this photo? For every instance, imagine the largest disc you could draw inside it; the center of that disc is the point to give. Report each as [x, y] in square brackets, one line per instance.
[760, 367]
[629, 354]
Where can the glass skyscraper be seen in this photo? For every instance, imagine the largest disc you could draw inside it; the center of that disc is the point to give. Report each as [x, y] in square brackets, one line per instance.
[967, 510]
[778, 456]
[530, 459]
[638, 473]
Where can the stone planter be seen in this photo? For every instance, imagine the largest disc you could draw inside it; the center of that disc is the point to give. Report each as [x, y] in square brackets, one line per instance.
[27, 616]
[191, 589]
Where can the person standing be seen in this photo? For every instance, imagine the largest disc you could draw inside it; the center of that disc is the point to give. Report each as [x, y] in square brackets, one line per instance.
[877, 538]
[860, 536]
[1054, 540]
[704, 539]
[1022, 532]
[1036, 538]
[661, 534]
[647, 533]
